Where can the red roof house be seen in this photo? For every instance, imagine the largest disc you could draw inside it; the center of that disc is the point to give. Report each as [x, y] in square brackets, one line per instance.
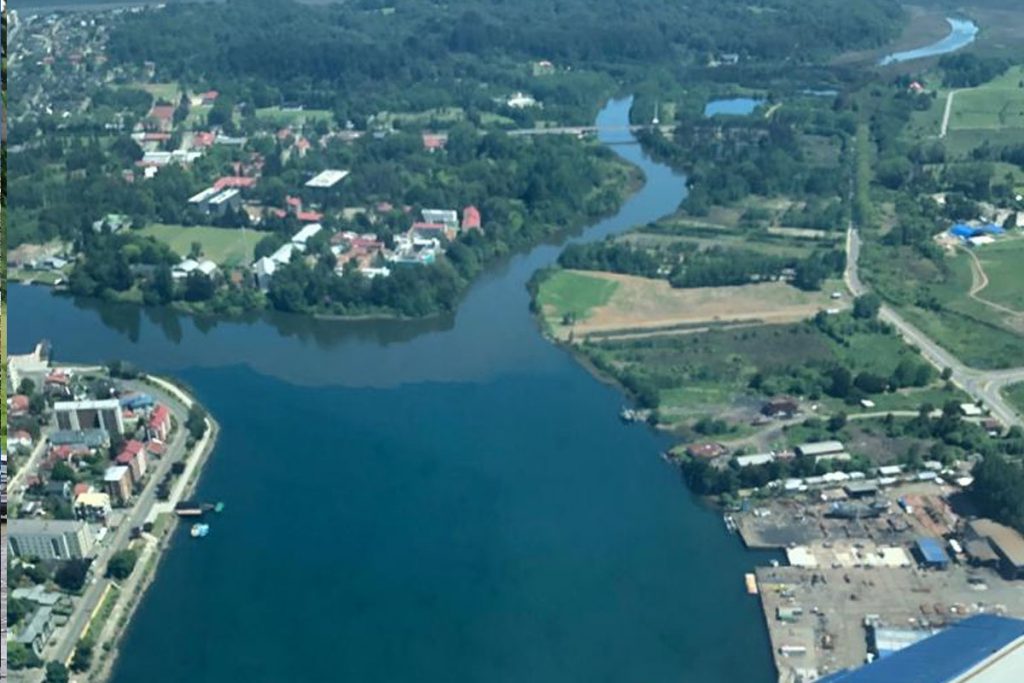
[471, 218]
[18, 404]
[434, 141]
[159, 422]
[235, 181]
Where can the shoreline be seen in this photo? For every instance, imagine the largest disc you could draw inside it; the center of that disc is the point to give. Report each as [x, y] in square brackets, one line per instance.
[103, 670]
[132, 590]
[634, 181]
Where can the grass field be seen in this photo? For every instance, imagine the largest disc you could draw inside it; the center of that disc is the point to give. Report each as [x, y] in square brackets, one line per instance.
[612, 302]
[1015, 395]
[282, 117]
[224, 246]
[996, 105]
[169, 92]
[1002, 264]
[568, 292]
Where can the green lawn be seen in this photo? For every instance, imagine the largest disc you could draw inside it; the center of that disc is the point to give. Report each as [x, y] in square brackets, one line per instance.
[1002, 263]
[169, 92]
[224, 246]
[998, 104]
[284, 117]
[566, 292]
[1015, 395]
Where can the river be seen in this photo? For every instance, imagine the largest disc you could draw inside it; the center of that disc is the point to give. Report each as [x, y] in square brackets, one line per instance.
[452, 500]
[962, 33]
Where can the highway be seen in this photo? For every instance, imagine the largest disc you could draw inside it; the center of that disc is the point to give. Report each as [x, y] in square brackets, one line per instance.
[982, 385]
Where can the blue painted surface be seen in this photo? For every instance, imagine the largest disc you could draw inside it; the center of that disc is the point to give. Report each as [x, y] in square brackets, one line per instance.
[931, 552]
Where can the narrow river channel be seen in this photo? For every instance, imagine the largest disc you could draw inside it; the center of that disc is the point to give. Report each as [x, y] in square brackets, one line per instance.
[451, 500]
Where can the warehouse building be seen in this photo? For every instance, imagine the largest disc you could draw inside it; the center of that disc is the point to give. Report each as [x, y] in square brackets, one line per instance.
[981, 649]
[1005, 543]
[930, 553]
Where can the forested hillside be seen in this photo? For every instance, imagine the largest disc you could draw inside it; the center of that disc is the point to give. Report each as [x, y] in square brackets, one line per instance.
[324, 55]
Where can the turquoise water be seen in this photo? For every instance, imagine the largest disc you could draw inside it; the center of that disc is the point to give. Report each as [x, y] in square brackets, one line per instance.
[451, 500]
[962, 32]
[733, 106]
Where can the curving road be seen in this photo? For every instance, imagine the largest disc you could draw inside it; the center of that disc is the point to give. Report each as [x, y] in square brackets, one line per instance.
[982, 385]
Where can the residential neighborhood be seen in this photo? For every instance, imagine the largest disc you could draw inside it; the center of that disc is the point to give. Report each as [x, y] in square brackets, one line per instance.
[100, 457]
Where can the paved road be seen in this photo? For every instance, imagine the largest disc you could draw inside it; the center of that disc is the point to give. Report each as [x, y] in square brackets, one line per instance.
[947, 112]
[982, 385]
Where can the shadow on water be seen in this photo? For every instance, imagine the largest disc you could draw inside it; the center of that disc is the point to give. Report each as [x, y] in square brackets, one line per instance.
[438, 501]
[492, 330]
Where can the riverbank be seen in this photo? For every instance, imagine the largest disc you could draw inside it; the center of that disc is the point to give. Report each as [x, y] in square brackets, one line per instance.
[156, 547]
[164, 466]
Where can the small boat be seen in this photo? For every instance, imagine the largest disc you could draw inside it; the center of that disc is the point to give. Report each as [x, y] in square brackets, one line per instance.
[200, 530]
[219, 507]
[730, 523]
[751, 582]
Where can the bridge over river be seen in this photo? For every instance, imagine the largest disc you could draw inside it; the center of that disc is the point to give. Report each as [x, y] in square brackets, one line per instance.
[589, 130]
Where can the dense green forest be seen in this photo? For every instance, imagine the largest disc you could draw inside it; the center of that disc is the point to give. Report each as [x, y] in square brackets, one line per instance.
[688, 265]
[426, 53]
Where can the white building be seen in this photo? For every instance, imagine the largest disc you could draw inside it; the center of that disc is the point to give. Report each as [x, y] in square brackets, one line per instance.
[77, 415]
[521, 101]
[303, 236]
[49, 539]
[446, 217]
[327, 179]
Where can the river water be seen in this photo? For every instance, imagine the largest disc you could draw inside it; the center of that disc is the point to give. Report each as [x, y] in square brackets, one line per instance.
[452, 500]
[962, 32]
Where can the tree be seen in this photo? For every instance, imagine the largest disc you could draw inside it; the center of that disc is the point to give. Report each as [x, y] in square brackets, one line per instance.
[62, 472]
[837, 422]
[841, 382]
[195, 250]
[122, 563]
[71, 576]
[37, 404]
[867, 306]
[196, 422]
[17, 610]
[163, 284]
[21, 657]
[56, 673]
[198, 287]
[27, 387]
[83, 656]
[870, 383]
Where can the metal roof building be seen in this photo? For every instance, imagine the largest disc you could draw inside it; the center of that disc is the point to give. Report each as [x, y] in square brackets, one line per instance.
[931, 552]
[981, 649]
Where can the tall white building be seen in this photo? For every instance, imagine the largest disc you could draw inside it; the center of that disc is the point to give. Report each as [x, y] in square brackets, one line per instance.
[75, 415]
[49, 539]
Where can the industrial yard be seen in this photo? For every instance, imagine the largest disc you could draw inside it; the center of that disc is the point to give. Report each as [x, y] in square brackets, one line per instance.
[872, 569]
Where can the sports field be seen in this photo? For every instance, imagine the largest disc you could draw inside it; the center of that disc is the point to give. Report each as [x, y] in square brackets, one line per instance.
[223, 246]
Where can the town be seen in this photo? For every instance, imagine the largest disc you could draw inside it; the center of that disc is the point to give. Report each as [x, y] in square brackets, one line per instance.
[215, 197]
[102, 462]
